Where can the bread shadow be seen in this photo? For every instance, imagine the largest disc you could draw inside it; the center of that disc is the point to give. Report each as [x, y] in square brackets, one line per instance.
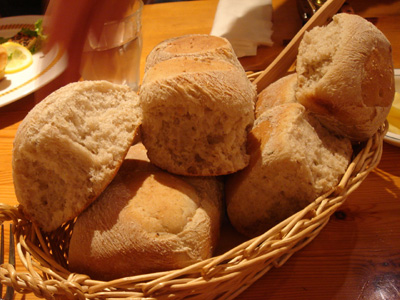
[229, 237]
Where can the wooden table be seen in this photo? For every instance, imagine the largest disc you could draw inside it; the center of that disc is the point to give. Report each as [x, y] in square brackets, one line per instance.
[357, 255]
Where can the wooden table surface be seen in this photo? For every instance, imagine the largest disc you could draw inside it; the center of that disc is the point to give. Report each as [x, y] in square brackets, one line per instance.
[357, 255]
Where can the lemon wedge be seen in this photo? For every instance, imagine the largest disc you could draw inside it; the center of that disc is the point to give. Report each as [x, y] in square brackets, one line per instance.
[19, 57]
[395, 109]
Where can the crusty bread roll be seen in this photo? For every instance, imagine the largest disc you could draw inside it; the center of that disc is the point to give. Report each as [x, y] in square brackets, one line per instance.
[147, 220]
[3, 60]
[279, 92]
[195, 46]
[293, 161]
[345, 76]
[69, 147]
[196, 116]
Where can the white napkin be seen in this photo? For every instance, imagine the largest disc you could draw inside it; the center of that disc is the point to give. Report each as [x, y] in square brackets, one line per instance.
[246, 24]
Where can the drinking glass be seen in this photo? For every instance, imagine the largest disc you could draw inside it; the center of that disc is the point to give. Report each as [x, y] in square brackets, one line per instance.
[113, 53]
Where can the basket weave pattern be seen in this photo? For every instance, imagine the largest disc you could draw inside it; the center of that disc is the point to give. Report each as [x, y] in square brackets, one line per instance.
[46, 274]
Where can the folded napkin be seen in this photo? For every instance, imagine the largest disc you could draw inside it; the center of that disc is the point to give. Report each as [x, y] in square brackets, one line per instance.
[246, 24]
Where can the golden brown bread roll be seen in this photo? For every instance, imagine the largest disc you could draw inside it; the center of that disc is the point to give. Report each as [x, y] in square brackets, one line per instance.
[69, 147]
[279, 92]
[293, 160]
[196, 116]
[3, 60]
[194, 46]
[147, 220]
[345, 76]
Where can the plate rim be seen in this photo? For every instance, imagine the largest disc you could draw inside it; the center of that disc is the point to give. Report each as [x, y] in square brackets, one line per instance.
[392, 138]
[56, 66]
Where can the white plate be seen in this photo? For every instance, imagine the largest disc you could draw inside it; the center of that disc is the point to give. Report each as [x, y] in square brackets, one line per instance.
[43, 69]
[390, 137]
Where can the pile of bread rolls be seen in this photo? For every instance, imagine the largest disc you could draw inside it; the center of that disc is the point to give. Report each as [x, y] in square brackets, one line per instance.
[148, 177]
[301, 141]
[3, 61]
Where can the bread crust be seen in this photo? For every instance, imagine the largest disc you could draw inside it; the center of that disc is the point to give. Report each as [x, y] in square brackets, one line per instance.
[194, 46]
[196, 116]
[70, 146]
[3, 60]
[279, 92]
[293, 160]
[147, 220]
[345, 76]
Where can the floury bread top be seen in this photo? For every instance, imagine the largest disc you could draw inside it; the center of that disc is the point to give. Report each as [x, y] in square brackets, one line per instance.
[70, 146]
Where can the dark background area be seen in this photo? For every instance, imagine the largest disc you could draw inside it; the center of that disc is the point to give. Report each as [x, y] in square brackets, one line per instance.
[10, 8]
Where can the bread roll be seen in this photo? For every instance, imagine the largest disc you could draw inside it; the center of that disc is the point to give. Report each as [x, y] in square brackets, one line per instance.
[69, 147]
[147, 220]
[3, 60]
[345, 76]
[196, 116]
[279, 92]
[293, 161]
[195, 46]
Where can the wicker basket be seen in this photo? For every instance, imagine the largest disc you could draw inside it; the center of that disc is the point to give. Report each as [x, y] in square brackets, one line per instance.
[225, 276]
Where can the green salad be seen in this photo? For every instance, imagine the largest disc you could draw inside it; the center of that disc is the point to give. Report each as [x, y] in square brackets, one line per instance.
[31, 39]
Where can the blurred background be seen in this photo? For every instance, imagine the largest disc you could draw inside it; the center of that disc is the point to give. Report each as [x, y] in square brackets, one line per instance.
[10, 8]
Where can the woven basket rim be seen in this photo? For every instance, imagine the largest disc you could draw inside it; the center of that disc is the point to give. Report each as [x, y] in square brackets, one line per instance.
[223, 276]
